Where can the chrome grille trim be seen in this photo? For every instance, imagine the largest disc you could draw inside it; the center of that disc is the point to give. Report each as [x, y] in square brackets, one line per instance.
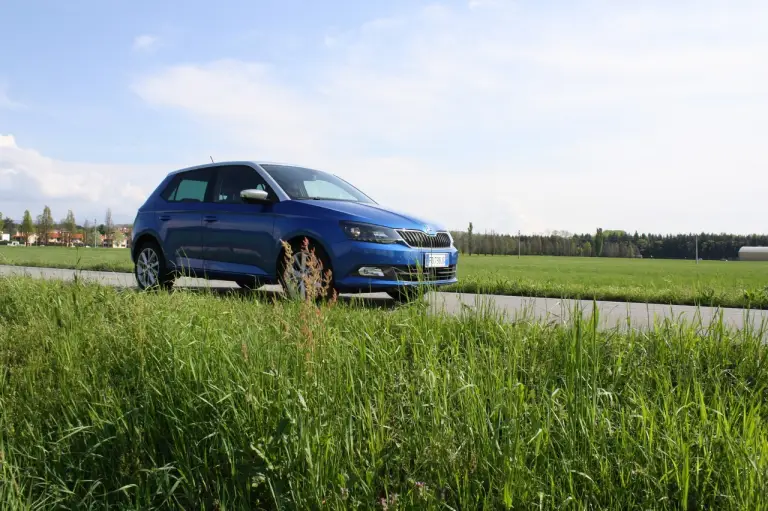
[420, 239]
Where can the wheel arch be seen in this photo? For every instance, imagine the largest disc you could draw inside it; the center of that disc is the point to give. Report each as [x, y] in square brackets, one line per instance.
[299, 237]
[141, 240]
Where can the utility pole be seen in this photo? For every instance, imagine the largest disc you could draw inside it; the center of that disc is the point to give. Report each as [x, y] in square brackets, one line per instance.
[518, 243]
[95, 232]
[697, 249]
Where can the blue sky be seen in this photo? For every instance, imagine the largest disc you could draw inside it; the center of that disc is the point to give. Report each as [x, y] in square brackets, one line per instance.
[510, 114]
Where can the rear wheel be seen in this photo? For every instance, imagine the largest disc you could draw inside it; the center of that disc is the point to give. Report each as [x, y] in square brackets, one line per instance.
[150, 269]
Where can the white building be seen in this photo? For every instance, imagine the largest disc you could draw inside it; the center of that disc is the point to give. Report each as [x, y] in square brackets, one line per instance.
[753, 254]
[5, 237]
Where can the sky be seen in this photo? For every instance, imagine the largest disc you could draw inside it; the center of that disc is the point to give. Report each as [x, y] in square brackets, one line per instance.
[513, 115]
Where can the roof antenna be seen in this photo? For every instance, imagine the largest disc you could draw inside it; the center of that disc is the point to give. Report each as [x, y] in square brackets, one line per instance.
[211, 157]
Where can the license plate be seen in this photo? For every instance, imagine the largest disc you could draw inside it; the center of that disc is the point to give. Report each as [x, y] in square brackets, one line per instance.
[435, 260]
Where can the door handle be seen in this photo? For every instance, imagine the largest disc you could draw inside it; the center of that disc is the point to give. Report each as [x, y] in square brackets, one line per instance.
[163, 218]
[210, 218]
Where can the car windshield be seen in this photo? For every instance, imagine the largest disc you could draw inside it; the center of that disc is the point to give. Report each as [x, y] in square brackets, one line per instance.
[307, 184]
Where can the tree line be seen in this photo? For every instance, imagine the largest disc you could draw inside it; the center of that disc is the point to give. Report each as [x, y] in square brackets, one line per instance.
[602, 243]
[44, 224]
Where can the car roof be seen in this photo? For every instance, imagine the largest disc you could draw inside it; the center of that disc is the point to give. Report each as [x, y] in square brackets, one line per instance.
[238, 162]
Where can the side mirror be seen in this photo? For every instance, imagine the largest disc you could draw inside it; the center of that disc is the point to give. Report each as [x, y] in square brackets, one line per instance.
[255, 196]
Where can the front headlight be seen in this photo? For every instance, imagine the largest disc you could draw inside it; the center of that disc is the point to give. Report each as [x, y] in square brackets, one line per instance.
[370, 233]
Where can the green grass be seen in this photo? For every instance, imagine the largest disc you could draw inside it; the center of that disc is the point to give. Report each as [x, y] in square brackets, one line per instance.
[710, 283]
[716, 283]
[99, 259]
[186, 400]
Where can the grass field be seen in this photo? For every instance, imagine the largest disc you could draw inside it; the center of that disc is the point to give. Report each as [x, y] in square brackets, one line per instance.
[186, 400]
[730, 284]
[734, 283]
[101, 259]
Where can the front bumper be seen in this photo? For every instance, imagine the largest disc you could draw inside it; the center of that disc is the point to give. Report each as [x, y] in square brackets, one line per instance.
[400, 265]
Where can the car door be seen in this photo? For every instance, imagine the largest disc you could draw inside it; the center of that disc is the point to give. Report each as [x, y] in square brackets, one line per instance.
[180, 219]
[238, 238]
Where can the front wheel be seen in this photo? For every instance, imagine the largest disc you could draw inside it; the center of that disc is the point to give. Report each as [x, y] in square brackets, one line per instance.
[303, 274]
[150, 269]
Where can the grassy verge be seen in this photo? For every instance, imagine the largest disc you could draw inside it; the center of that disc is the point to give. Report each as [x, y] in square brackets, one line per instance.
[95, 259]
[703, 295]
[710, 283]
[194, 401]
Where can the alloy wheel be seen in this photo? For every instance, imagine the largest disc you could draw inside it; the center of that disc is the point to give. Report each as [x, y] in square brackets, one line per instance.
[299, 275]
[148, 268]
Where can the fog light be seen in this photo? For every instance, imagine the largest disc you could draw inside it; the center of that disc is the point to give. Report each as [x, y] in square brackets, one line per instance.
[368, 271]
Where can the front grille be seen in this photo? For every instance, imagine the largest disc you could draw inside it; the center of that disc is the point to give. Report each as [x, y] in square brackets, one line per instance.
[420, 239]
[412, 273]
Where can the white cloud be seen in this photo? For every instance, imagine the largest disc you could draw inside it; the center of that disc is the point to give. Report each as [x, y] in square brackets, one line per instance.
[29, 180]
[510, 116]
[478, 4]
[145, 43]
[645, 118]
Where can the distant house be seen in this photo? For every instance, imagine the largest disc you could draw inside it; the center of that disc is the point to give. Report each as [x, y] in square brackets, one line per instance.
[54, 238]
[753, 254]
[5, 237]
[113, 243]
[29, 239]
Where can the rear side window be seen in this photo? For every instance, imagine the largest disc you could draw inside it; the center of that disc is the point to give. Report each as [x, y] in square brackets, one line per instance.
[189, 186]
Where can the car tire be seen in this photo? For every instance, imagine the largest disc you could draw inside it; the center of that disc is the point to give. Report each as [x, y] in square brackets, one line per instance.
[292, 291]
[150, 269]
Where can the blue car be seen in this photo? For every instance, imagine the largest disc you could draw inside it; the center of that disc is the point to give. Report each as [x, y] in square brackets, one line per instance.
[228, 221]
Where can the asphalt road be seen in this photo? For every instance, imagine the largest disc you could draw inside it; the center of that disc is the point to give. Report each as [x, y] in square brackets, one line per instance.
[512, 308]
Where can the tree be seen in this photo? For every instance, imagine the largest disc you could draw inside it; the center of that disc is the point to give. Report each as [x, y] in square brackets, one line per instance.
[91, 234]
[109, 226]
[87, 232]
[44, 225]
[118, 237]
[69, 225]
[8, 225]
[469, 239]
[599, 242]
[27, 226]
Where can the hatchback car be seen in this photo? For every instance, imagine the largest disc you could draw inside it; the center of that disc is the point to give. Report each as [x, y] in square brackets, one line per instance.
[228, 221]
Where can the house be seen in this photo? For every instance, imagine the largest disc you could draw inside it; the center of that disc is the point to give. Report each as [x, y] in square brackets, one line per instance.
[29, 239]
[113, 243]
[5, 237]
[54, 238]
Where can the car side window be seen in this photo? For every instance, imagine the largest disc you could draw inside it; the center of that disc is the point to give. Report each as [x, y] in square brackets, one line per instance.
[190, 186]
[232, 180]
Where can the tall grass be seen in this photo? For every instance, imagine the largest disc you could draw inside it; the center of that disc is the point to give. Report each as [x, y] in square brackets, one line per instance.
[188, 400]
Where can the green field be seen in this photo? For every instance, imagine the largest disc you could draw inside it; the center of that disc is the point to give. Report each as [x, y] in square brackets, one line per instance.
[102, 259]
[185, 400]
[733, 283]
[730, 284]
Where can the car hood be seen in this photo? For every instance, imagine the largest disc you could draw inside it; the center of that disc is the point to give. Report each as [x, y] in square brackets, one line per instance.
[377, 214]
